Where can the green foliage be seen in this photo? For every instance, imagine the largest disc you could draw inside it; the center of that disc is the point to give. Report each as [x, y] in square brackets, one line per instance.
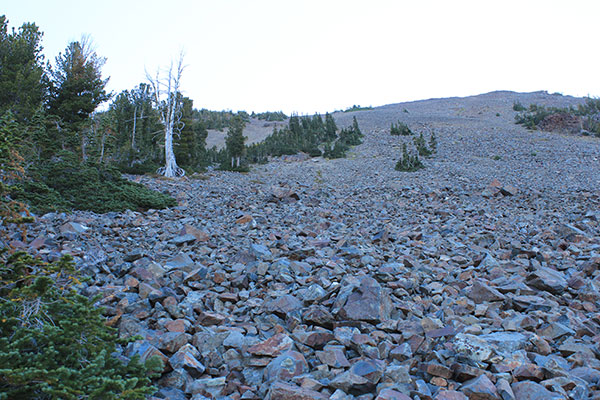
[308, 135]
[68, 184]
[270, 116]
[400, 129]
[11, 171]
[54, 343]
[219, 119]
[135, 128]
[357, 108]
[421, 146]
[76, 89]
[408, 162]
[190, 144]
[22, 78]
[433, 142]
[337, 150]
[517, 106]
[234, 143]
[588, 113]
[533, 116]
[330, 128]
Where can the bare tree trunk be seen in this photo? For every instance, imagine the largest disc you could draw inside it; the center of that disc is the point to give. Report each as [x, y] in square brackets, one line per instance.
[166, 100]
[133, 131]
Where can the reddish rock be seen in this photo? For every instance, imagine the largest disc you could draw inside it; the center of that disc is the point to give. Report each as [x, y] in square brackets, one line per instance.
[367, 301]
[528, 372]
[207, 318]
[200, 235]
[273, 346]
[187, 358]
[285, 391]
[439, 370]
[173, 341]
[481, 292]
[334, 357]
[244, 219]
[450, 395]
[177, 325]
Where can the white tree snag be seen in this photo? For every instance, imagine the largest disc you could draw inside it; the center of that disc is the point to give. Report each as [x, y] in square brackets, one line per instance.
[167, 100]
[133, 130]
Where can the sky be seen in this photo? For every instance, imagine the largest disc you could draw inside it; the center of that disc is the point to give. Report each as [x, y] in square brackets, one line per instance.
[308, 56]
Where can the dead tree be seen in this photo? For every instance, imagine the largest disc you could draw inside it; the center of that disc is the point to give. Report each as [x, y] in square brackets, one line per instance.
[168, 103]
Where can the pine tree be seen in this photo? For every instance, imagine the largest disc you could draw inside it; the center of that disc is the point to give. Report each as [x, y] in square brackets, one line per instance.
[356, 128]
[23, 81]
[400, 129]
[421, 146]
[408, 162]
[77, 87]
[330, 128]
[433, 142]
[190, 146]
[235, 143]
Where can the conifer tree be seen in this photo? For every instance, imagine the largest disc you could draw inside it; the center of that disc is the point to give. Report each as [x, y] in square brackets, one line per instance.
[356, 128]
[235, 142]
[23, 81]
[77, 88]
[330, 128]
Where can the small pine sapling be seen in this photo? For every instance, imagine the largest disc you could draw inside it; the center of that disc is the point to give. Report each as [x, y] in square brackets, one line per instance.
[408, 162]
[400, 129]
[421, 146]
[433, 143]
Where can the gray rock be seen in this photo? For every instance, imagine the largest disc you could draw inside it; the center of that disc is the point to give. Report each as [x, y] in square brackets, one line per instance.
[529, 390]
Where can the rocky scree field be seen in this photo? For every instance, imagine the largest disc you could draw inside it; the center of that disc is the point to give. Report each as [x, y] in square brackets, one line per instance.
[477, 277]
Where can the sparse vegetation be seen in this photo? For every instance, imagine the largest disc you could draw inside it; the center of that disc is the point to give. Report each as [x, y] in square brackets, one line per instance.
[433, 142]
[517, 106]
[421, 146]
[357, 108]
[409, 161]
[400, 129]
[585, 117]
[270, 116]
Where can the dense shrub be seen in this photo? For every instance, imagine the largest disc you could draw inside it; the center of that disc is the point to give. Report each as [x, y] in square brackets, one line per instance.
[68, 184]
[309, 135]
[139, 168]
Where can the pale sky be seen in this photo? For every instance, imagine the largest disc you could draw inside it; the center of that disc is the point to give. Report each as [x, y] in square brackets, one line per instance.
[308, 56]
